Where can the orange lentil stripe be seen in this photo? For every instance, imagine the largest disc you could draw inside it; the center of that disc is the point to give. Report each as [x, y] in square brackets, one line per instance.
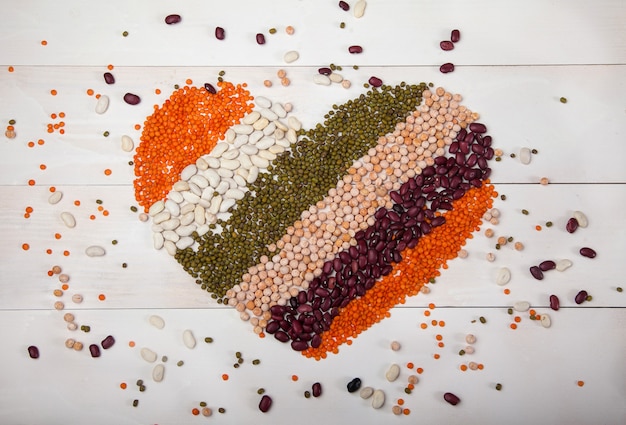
[187, 126]
[420, 264]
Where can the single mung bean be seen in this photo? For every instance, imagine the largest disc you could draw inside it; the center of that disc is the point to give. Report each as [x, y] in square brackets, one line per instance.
[202, 404]
[125, 34]
[482, 319]
[164, 359]
[142, 388]
[236, 365]
[503, 197]
[509, 311]
[12, 122]
[307, 394]
[272, 31]
[525, 212]
[139, 382]
[619, 289]
[106, 134]
[180, 363]
[256, 362]
[563, 100]
[260, 391]
[221, 410]
[549, 224]
[534, 151]
[135, 403]
[342, 25]
[498, 386]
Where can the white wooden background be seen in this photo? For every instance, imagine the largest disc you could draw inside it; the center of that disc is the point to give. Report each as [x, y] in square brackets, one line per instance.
[514, 61]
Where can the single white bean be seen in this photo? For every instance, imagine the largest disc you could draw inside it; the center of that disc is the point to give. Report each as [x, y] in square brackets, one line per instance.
[292, 137]
[294, 123]
[215, 204]
[170, 224]
[189, 217]
[564, 264]
[393, 372]
[271, 127]
[321, 79]
[291, 56]
[189, 339]
[524, 156]
[201, 164]
[158, 372]
[366, 392]
[199, 180]
[219, 149]
[188, 171]
[269, 114]
[181, 186]
[175, 196]
[230, 135]
[193, 188]
[186, 209]
[335, 78]
[378, 399]
[95, 251]
[259, 162]
[581, 218]
[127, 143]
[158, 240]
[260, 124]
[198, 215]
[231, 154]
[102, 105]
[185, 231]
[161, 217]
[230, 164]
[170, 236]
[278, 109]
[504, 276]
[56, 197]
[185, 242]
[243, 128]
[157, 321]
[227, 204]
[265, 143]
[156, 208]
[148, 355]
[68, 219]
[213, 162]
[212, 177]
[234, 194]
[253, 174]
[262, 102]
[170, 247]
[251, 118]
[191, 197]
[521, 306]
[249, 149]
[172, 207]
[359, 8]
[545, 320]
[278, 134]
[203, 230]
[276, 149]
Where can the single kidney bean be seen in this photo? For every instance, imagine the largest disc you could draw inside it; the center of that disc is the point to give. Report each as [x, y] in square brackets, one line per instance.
[536, 272]
[220, 34]
[260, 38]
[209, 87]
[455, 35]
[581, 297]
[109, 78]
[354, 385]
[172, 19]
[572, 225]
[477, 127]
[33, 352]
[554, 302]
[587, 252]
[375, 81]
[325, 71]
[451, 398]
[132, 99]
[265, 403]
[547, 265]
[281, 336]
[108, 342]
[317, 389]
[355, 49]
[344, 6]
[446, 45]
[94, 350]
[446, 67]
[299, 345]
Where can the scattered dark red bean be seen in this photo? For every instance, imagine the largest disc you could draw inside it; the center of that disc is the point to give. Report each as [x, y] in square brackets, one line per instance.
[572, 225]
[209, 87]
[446, 45]
[446, 67]
[536, 272]
[477, 127]
[354, 385]
[33, 352]
[587, 252]
[325, 71]
[109, 78]
[554, 302]
[94, 350]
[172, 19]
[355, 49]
[344, 6]
[451, 398]
[547, 265]
[220, 34]
[317, 389]
[581, 297]
[132, 99]
[265, 403]
[375, 81]
[108, 342]
[260, 38]
[455, 35]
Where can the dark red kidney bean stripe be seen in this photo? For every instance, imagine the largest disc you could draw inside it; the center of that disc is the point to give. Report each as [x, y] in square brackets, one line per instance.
[354, 271]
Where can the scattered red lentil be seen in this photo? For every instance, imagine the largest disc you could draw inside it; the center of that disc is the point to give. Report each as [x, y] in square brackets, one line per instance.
[580, 383]
[102, 297]
[225, 377]
[123, 385]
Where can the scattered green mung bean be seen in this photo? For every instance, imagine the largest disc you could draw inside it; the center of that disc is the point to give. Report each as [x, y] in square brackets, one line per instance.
[533, 317]
[114, 242]
[498, 159]
[176, 86]
[124, 265]
[12, 122]
[512, 155]
[525, 212]
[236, 365]
[482, 319]
[221, 410]
[589, 298]
[98, 201]
[534, 151]
[208, 340]
[503, 197]
[221, 73]
[497, 246]
[106, 134]
[164, 359]
[619, 289]
[510, 311]
[432, 280]
[260, 391]
[408, 390]
[548, 224]
[256, 362]
[498, 386]
[355, 66]
[509, 239]
[135, 403]
[139, 382]
[461, 352]
[307, 394]
[203, 404]
[563, 100]
[180, 363]
[272, 31]
[240, 360]
[238, 354]
[342, 25]
[142, 388]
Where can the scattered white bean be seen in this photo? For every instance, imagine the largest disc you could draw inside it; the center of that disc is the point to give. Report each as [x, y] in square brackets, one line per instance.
[524, 156]
[393, 372]
[321, 79]
[378, 399]
[366, 392]
[278, 109]
[581, 218]
[564, 264]
[95, 251]
[157, 321]
[157, 239]
[504, 276]
[262, 102]
[158, 372]
[68, 219]
[521, 306]
[189, 339]
[102, 105]
[291, 56]
[335, 78]
[148, 355]
[170, 247]
[359, 8]
[545, 320]
[250, 118]
[185, 242]
[56, 197]
[127, 143]
[294, 123]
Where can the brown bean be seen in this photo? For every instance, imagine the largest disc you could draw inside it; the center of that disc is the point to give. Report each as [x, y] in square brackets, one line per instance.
[260, 38]
[265, 403]
[375, 81]
[455, 35]
[446, 45]
[587, 252]
[108, 342]
[172, 19]
[446, 67]
[220, 34]
[547, 265]
[344, 6]
[132, 99]
[536, 272]
[33, 352]
[572, 225]
[94, 350]
[317, 389]
[554, 302]
[451, 398]
[581, 297]
[355, 49]
[109, 78]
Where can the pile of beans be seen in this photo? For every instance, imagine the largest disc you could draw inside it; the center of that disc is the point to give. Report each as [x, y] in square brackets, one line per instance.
[296, 180]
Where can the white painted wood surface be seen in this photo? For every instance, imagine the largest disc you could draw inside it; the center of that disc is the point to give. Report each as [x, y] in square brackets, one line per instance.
[514, 62]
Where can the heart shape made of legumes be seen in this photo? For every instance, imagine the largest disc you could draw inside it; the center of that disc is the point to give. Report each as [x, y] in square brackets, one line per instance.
[313, 235]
